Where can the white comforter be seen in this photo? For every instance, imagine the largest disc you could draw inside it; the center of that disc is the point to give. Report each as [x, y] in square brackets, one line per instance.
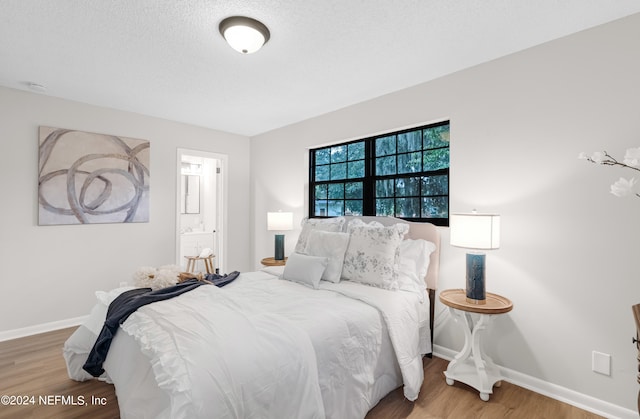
[264, 347]
[217, 356]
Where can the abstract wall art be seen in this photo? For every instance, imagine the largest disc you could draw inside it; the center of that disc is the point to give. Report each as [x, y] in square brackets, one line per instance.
[88, 178]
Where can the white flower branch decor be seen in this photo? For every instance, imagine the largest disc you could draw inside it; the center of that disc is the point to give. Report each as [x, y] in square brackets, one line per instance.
[622, 187]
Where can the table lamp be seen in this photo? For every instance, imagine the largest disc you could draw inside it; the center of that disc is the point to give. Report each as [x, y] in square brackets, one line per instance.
[478, 232]
[279, 221]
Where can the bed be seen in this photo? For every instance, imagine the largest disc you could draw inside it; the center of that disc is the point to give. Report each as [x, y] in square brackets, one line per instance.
[346, 321]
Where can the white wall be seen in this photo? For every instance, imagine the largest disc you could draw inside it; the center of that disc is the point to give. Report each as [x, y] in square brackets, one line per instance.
[569, 248]
[50, 273]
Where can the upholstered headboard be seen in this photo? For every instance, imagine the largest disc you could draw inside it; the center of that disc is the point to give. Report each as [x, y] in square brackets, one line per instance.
[424, 231]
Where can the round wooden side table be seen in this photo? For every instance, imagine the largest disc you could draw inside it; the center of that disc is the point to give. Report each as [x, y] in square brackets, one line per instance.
[472, 366]
[273, 262]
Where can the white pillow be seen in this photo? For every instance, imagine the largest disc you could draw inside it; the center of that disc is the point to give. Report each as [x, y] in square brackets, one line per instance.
[304, 269]
[324, 224]
[413, 264]
[331, 245]
[371, 256]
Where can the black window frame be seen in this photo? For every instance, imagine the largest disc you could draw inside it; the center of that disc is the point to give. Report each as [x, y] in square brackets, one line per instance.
[370, 177]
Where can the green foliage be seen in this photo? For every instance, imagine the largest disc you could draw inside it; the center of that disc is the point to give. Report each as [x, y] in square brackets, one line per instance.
[323, 156]
[410, 141]
[338, 154]
[356, 151]
[322, 173]
[410, 178]
[436, 159]
[336, 191]
[436, 137]
[353, 190]
[338, 171]
[386, 166]
[386, 146]
[435, 185]
[410, 162]
[355, 169]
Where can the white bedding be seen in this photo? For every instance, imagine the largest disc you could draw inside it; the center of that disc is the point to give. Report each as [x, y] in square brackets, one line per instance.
[339, 350]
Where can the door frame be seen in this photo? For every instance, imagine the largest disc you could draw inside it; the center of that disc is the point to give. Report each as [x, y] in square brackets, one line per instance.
[220, 233]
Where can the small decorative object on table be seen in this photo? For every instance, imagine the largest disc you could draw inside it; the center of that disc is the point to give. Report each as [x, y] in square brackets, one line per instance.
[472, 366]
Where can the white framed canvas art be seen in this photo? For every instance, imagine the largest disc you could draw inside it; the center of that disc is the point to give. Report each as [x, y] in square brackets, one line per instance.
[89, 178]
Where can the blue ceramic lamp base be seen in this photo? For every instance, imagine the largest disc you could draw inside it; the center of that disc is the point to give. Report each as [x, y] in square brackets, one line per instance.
[279, 248]
[476, 291]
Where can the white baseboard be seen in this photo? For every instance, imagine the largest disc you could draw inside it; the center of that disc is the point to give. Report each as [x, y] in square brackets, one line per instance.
[41, 328]
[563, 394]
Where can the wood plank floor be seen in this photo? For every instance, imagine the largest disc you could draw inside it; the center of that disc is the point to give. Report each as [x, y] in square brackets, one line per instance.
[33, 366]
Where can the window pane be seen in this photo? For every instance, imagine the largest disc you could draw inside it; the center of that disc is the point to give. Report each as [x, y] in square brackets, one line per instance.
[408, 186]
[355, 169]
[410, 141]
[384, 188]
[323, 156]
[353, 190]
[321, 191]
[436, 137]
[338, 171]
[336, 191]
[338, 154]
[353, 207]
[408, 207]
[386, 145]
[384, 207]
[322, 173]
[386, 166]
[356, 151]
[335, 208]
[403, 174]
[410, 163]
[435, 207]
[435, 185]
[436, 159]
[321, 208]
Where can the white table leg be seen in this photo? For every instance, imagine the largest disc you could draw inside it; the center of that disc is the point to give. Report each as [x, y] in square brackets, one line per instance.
[472, 366]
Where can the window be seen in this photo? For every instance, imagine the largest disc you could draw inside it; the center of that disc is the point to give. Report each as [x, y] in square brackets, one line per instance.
[403, 174]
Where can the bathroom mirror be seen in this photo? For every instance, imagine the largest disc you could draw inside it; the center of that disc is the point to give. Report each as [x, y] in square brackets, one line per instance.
[190, 203]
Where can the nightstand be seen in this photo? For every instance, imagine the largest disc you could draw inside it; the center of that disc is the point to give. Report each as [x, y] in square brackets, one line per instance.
[273, 262]
[472, 366]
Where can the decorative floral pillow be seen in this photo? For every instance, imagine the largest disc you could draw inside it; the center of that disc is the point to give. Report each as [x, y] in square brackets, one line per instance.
[372, 254]
[323, 224]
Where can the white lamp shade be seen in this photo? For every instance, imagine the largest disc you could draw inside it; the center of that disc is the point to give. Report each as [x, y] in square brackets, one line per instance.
[280, 221]
[475, 231]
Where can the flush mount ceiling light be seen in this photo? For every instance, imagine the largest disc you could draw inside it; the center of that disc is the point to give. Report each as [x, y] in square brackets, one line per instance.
[244, 34]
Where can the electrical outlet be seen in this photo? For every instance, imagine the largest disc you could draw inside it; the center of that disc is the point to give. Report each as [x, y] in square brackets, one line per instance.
[601, 363]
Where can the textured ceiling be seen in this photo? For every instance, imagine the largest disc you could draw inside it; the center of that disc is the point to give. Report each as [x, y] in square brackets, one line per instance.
[166, 58]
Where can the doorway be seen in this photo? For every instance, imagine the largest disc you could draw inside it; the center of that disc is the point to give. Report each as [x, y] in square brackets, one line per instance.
[201, 207]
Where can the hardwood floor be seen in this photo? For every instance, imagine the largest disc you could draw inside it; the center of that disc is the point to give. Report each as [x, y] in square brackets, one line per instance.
[33, 366]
